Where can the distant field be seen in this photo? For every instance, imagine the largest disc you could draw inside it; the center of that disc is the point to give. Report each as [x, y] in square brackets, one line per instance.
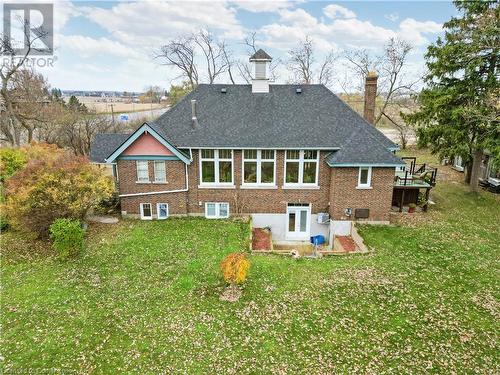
[103, 107]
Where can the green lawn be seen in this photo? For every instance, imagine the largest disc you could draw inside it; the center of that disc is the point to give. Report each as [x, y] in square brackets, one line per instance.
[144, 298]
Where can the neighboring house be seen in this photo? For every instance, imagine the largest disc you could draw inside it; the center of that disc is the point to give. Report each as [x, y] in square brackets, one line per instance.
[488, 174]
[285, 154]
[458, 164]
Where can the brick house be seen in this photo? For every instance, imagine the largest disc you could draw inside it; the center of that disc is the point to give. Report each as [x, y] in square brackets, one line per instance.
[294, 157]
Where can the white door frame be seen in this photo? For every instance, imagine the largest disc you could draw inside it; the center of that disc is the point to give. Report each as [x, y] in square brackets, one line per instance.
[297, 235]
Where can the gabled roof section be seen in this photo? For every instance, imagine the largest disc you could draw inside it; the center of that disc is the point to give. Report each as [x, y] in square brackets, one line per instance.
[363, 150]
[105, 144]
[135, 135]
[282, 118]
[260, 55]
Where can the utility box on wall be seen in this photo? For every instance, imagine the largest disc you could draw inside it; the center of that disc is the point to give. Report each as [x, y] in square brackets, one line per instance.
[361, 213]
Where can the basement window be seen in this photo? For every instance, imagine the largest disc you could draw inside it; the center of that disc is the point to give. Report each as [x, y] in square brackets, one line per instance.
[216, 210]
[146, 211]
[162, 210]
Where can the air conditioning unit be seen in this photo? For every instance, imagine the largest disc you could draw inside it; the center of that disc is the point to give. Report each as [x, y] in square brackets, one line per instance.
[323, 218]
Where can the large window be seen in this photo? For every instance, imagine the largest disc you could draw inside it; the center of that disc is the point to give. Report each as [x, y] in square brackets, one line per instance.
[301, 167]
[216, 167]
[365, 177]
[216, 210]
[160, 171]
[258, 167]
[142, 171]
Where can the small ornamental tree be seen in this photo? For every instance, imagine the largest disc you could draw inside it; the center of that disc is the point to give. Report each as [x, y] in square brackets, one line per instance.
[54, 184]
[235, 268]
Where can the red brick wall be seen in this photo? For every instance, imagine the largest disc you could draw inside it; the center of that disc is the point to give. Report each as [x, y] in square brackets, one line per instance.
[344, 193]
[259, 200]
[127, 175]
[336, 186]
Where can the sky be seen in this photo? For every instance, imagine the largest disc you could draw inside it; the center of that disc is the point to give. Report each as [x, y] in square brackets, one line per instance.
[111, 45]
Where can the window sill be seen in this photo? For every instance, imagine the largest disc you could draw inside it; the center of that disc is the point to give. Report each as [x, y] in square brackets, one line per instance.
[216, 186]
[160, 182]
[143, 182]
[258, 187]
[364, 187]
[300, 187]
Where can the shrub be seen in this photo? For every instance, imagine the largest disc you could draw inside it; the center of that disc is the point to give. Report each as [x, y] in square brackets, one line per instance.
[235, 268]
[4, 225]
[11, 160]
[67, 235]
[53, 184]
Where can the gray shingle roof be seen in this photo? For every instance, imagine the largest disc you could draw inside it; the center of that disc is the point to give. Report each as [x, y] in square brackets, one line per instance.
[361, 149]
[260, 55]
[104, 145]
[281, 119]
[315, 118]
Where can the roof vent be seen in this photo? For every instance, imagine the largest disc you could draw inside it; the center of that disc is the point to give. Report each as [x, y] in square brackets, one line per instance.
[223, 90]
[194, 118]
[298, 90]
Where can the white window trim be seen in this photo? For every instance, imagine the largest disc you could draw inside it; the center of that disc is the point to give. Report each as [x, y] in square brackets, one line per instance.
[259, 161]
[217, 210]
[368, 184]
[301, 161]
[142, 211]
[158, 211]
[156, 181]
[137, 171]
[216, 161]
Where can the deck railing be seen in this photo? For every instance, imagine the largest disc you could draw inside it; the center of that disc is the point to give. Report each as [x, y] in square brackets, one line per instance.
[415, 173]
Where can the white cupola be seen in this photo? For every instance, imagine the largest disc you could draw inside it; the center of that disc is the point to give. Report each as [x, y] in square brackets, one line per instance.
[260, 82]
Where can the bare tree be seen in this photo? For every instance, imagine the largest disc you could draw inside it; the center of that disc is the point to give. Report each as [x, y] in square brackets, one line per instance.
[395, 88]
[228, 57]
[11, 64]
[397, 83]
[213, 51]
[360, 62]
[29, 96]
[180, 53]
[301, 61]
[186, 53]
[302, 64]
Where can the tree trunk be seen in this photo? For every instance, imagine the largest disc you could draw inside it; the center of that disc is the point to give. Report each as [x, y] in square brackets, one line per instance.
[467, 172]
[474, 175]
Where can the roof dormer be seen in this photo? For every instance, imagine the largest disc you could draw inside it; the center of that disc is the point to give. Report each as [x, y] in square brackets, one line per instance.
[260, 82]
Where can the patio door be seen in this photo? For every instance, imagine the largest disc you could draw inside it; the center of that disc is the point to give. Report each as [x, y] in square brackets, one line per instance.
[298, 221]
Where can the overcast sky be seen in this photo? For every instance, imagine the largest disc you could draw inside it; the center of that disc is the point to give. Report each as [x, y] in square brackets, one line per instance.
[109, 45]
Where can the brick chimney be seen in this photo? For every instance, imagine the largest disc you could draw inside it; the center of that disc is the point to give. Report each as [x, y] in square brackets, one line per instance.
[370, 95]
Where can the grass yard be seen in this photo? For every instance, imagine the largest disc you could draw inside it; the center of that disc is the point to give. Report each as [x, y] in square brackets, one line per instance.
[144, 298]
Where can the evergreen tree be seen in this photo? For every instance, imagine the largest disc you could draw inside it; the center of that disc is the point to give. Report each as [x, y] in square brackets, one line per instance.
[75, 105]
[459, 111]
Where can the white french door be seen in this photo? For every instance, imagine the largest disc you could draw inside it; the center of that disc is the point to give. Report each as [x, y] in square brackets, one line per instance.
[298, 222]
